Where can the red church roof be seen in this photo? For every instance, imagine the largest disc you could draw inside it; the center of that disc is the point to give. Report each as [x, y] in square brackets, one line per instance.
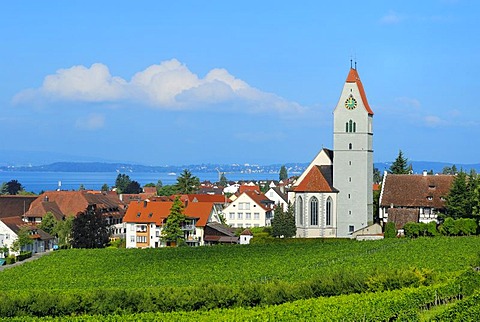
[354, 78]
[316, 180]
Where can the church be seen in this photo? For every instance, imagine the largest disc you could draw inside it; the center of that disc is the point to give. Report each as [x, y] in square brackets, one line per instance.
[333, 197]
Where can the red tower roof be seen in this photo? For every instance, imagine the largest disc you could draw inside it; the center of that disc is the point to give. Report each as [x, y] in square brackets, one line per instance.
[354, 78]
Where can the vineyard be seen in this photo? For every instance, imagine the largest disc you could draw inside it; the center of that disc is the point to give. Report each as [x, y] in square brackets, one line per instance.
[301, 278]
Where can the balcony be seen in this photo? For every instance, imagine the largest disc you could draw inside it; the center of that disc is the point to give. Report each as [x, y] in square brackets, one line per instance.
[188, 227]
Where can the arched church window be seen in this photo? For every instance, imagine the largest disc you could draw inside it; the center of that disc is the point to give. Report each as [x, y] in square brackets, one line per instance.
[328, 214]
[350, 126]
[300, 210]
[314, 211]
[349, 146]
[346, 127]
[354, 127]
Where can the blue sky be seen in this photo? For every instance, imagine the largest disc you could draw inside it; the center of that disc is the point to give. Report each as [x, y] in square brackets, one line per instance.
[183, 82]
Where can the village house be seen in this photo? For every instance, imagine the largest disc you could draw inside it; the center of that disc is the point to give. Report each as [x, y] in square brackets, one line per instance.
[413, 198]
[10, 228]
[250, 209]
[144, 222]
[278, 197]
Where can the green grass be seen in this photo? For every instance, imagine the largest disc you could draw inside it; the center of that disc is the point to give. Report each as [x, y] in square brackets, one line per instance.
[289, 262]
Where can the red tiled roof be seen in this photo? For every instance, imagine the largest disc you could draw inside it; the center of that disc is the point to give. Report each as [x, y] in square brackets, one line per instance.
[39, 210]
[148, 212]
[405, 190]
[354, 78]
[157, 211]
[74, 202]
[259, 198]
[315, 181]
[246, 187]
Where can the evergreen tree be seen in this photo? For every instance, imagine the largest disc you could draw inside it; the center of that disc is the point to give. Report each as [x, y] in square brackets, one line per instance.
[172, 231]
[133, 187]
[122, 182]
[377, 176]
[90, 230]
[457, 203]
[283, 223]
[283, 175]
[400, 165]
[187, 183]
[105, 187]
[223, 180]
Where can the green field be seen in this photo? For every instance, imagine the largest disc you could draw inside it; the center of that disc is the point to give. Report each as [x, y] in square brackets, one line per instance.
[247, 280]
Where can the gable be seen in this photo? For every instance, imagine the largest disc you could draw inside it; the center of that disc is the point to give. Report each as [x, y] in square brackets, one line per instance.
[318, 179]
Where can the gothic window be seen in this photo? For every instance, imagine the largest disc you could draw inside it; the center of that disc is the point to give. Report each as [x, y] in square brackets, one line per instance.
[328, 214]
[300, 210]
[346, 127]
[314, 211]
[349, 146]
[354, 127]
[350, 126]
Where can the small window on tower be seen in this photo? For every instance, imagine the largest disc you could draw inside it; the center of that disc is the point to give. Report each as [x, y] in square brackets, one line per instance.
[349, 146]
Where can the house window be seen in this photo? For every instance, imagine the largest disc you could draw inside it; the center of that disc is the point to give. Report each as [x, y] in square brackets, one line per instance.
[314, 211]
[256, 225]
[141, 239]
[300, 210]
[256, 215]
[328, 215]
[132, 227]
[132, 239]
[240, 206]
[240, 215]
[248, 215]
[231, 215]
[351, 228]
[142, 228]
[247, 206]
[247, 225]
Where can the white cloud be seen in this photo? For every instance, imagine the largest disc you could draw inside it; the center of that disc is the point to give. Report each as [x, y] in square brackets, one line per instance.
[91, 122]
[167, 85]
[408, 102]
[390, 18]
[433, 121]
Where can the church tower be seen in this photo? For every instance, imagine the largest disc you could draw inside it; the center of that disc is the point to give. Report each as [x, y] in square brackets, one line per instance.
[353, 157]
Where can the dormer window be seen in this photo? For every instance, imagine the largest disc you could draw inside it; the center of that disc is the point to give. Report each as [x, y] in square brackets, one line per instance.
[429, 198]
[431, 186]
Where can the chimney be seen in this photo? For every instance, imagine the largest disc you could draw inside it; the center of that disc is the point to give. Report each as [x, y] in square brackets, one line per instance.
[425, 173]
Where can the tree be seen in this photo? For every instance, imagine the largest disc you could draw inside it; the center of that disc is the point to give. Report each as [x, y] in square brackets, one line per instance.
[124, 184]
[13, 187]
[390, 230]
[48, 223]
[63, 231]
[223, 180]
[457, 203]
[89, 229]
[172, 231]
[23, 239]
[187, 183]
[167, 190]
[283, 223]
[3, 189]
[105, 187]
[377, 176]
[450, 170]
[81, 187]
[283, 175]
[400, 165]
[133, 187]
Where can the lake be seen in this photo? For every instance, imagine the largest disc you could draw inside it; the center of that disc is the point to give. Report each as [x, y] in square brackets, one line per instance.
[38, 181]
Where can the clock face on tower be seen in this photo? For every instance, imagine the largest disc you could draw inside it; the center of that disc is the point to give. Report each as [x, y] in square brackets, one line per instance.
[350, 103]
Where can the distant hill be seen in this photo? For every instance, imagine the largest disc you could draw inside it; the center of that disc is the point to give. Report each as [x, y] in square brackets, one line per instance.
[293, 168]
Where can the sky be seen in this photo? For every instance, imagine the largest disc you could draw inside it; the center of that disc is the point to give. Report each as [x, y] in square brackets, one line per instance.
[189, 82]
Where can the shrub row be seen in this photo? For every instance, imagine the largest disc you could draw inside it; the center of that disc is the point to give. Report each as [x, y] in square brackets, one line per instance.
[450, 227]
[398, 305]
[23, 256]
[465, 310]
[201, 297]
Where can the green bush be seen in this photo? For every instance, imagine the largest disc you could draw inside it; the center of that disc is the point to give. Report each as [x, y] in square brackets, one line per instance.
[10, 259]
[390, 230]
[23, 256]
